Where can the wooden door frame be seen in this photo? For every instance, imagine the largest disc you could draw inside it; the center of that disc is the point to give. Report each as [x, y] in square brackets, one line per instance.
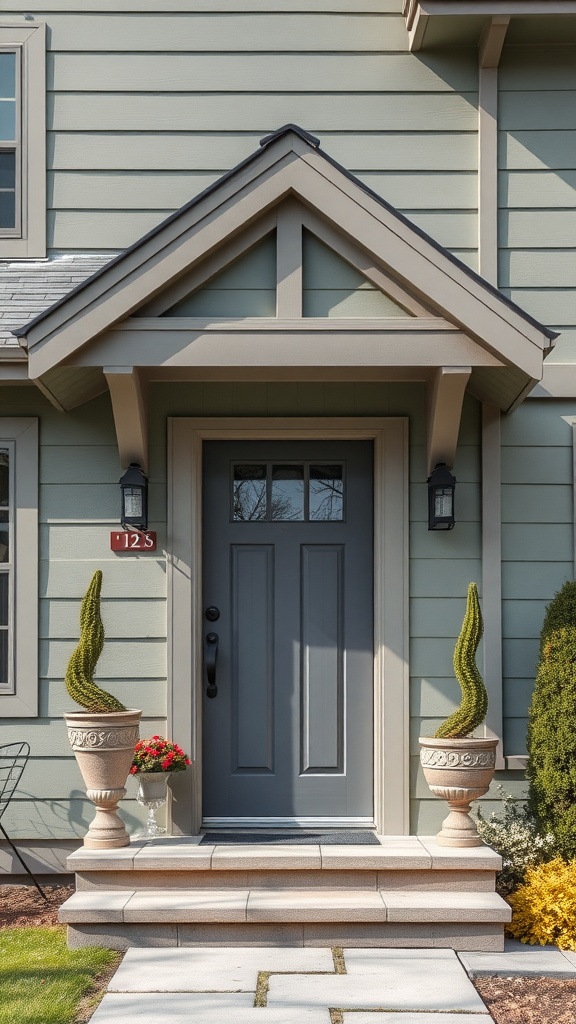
[186, 436]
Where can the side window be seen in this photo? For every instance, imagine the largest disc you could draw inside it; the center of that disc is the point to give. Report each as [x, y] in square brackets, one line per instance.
[18, 567]
[22, 141]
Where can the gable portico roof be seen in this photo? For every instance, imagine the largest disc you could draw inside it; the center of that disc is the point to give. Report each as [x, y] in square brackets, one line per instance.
[473, 338]
[314, 143]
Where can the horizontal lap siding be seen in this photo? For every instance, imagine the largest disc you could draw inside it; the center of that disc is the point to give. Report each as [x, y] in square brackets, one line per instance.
[537, 544]
[79, 505]
[537, 269]
[537, 187]
[147, 106]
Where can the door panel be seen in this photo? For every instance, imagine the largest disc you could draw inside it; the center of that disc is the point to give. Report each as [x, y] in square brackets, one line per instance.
[288, 560]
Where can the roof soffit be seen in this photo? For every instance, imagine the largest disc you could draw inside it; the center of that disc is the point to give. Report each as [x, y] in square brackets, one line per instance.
[289, 166]
[434, 24]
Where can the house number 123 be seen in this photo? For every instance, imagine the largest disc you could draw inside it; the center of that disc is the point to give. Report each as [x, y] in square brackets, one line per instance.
[132, 540]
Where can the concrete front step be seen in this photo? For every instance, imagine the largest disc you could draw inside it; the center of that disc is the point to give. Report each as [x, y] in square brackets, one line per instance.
[406, 891]
[466, 920]
[282, 905]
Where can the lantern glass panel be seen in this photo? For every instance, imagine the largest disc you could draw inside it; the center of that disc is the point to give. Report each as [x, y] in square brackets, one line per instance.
[133, 502]
[442, 502]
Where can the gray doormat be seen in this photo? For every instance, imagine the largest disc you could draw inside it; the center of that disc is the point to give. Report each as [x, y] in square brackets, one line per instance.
[346, 837]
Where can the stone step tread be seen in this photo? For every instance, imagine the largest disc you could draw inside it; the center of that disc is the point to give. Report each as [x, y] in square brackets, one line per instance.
[185, 853]
[282, 905]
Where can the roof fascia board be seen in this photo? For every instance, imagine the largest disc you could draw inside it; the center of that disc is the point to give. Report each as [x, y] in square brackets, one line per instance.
[474, 307]
[165, 239]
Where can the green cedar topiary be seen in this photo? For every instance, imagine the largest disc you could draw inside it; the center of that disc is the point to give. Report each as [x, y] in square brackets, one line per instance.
[474, 705]
[551, 768]
[79, 681]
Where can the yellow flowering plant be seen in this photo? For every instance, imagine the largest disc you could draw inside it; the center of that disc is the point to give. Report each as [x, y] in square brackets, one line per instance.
[544, 906]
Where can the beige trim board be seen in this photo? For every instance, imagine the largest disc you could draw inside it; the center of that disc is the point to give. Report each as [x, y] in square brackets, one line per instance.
[30, 39]
[492, 572]
[192, 343]
[391, 711]
[23, 701]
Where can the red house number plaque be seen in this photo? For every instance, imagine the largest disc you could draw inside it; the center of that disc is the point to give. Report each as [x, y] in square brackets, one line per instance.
[133, 540]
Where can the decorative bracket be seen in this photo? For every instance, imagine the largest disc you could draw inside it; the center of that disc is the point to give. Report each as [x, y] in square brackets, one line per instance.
[129, 407]
[444, 400]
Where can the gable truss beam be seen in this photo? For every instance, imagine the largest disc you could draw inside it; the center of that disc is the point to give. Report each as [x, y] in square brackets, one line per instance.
[129, 408]
[445, 395]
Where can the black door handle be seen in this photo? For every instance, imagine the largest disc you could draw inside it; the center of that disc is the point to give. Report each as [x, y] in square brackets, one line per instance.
[211, 657]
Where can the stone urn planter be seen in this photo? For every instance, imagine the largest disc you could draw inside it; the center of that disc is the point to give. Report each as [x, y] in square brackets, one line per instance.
[103, 745]
[457, 766]
[459, 771]
[104, 735]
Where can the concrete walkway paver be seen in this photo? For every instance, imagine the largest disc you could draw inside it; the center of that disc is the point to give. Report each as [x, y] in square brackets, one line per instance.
[400, 984]
[521, 960]
[218, 986]
[375, 1017]
[204, 970]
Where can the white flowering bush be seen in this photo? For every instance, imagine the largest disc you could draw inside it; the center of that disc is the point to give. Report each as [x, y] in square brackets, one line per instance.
[514, 834]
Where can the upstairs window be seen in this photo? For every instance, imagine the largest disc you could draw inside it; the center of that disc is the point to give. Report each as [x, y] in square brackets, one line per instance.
[22, 141]
[10, 145]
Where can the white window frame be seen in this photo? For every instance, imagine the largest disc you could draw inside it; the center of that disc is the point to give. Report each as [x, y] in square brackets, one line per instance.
[28, 239]
[20, 435]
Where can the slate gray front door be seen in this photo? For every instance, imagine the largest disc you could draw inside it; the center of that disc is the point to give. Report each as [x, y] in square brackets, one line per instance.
[288, 565]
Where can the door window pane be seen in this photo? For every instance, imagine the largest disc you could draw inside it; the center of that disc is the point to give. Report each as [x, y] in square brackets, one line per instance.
[249, 493]
[287, 502]
[326, 493]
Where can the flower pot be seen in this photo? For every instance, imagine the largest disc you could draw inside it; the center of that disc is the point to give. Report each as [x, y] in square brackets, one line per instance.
[460, 771]
[152, 793]
[104, 747]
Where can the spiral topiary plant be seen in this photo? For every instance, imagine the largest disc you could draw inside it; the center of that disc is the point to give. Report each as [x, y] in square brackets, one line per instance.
[79, 674]
[474, 704]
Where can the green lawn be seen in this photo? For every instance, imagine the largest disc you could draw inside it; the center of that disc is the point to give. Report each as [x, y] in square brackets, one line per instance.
[41, 981]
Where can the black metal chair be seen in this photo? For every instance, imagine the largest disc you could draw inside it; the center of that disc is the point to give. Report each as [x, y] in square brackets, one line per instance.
[13, 760]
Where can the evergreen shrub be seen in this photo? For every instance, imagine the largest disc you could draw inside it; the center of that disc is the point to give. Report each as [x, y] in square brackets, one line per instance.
[551, 768]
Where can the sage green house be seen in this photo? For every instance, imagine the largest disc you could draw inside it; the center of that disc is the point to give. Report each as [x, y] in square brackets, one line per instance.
[287, 257]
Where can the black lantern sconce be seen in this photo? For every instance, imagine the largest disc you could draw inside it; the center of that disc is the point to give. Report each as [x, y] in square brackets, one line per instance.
[441, 486]
[134, 490]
